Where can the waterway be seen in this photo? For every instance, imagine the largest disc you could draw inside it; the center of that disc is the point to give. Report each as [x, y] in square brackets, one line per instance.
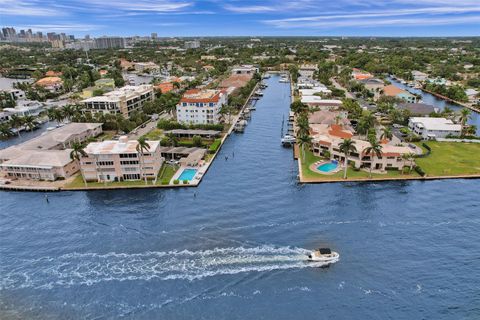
[439, 103]
[234, 247]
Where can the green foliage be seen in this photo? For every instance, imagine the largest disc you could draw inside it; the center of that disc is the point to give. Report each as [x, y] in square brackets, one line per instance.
[176, 181]
[214, 146]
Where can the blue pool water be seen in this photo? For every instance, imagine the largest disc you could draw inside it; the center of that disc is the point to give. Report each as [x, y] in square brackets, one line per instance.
[234, 248]
[187, 174]
[328, 167]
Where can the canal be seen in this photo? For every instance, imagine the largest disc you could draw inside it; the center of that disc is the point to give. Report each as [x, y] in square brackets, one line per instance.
[439, 103]
[234, 248]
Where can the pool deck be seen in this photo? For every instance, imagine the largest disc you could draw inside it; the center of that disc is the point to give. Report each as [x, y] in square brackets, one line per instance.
[314, 167]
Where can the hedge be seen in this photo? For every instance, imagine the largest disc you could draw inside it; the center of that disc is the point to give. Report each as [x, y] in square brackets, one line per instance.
[214, 146]
[420, 171]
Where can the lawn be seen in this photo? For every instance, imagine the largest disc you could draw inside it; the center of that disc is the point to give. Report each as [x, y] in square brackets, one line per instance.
[451, 158]
[351, 174]
[155, 134]
[166, 173]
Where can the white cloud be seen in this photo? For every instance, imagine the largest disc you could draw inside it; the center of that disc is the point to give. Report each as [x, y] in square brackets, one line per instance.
[70, 27]
[27, 8]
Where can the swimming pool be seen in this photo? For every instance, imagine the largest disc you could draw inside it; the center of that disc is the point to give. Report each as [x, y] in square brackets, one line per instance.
[328, 167]
[187, 174]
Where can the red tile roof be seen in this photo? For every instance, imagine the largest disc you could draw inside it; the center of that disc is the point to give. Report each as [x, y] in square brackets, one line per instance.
[337, 131]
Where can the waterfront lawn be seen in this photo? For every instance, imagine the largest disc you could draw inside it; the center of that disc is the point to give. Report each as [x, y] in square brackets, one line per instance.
[166, 174]
[450, 159]
[312, 176]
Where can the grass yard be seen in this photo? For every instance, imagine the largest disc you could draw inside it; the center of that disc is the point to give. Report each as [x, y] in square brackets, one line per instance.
[451, 158]
[351, 174]
[165, 174]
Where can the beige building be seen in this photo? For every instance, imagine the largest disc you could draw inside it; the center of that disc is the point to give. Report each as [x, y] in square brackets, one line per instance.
[326, 139]
[120, 161]
[121, 101]
[47, 157]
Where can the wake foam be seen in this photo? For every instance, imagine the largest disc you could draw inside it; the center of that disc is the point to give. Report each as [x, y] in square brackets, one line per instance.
[90, 268]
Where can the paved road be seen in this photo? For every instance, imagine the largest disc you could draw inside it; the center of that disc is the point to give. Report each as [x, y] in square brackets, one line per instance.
[149, 126]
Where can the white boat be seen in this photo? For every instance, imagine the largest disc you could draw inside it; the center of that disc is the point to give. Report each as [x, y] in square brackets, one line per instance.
[252, 107]
[324, 255]
[283, 80]
[259, 93]
[288, 139]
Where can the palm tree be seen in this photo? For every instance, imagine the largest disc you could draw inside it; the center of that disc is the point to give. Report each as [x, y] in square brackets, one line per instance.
[30, 122]
[411, 159]
[347, 146]
[76, 154]
[68, 112]
[142, 146]
[405, 158]
[172, 139]
[58, 115]
[375, 149]
[303, 126]
[304, 141]
[298, 107]
[386, 134]
[16, 122]
[465, 115]
[5, 131]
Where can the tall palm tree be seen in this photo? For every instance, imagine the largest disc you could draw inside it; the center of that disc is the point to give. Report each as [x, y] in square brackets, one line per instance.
[142, 146]
[375, 149]
[16, 122]
[30, 122]
[69, 112]
[347, 146]
[411, 159]
[304, 141]
[465, 115]
[405, 158]
[76, 154]
[386, 134]
[303, 126]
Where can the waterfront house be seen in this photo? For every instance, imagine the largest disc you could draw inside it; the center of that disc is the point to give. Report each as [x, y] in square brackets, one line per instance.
[473, 96]
[121, 101]
[323, 104]
[120, 161]
[201, 106]
[326, 140]
[307, 70]
[418, 109]
[419, 76]
[432, 128]
[52, 84]
[394, 91]
[245, 69]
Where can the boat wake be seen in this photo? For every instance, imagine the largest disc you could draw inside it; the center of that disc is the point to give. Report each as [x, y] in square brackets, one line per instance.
[90, 268]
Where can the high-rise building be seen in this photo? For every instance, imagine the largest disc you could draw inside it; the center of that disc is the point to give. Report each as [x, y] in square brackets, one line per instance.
[192, 44]
[9, 33]
[154, 36]
[109, 42]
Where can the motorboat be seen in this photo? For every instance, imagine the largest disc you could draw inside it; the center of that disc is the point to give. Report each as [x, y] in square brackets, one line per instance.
[288, 140]
[259, 93]
[325, 255]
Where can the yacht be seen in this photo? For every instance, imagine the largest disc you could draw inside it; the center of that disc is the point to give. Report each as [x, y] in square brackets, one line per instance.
[259, 93]
[324, 255]
[288, 140]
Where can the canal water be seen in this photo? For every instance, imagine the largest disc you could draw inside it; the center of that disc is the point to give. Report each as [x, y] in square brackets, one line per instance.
[234, 248]
[439, 103]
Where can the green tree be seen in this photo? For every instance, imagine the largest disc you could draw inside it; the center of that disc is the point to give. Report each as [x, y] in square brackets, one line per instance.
[76, 155]
[347, 147]
[304, 141]
[142, 147]
[375, 149]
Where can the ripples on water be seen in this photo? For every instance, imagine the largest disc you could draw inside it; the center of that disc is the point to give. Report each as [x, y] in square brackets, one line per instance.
[408, 250]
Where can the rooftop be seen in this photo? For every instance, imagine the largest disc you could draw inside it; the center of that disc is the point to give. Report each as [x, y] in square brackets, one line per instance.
[392, 90]
[197, 95]
[126, 92]
[37, 158]
[436, 123]
[117, 147]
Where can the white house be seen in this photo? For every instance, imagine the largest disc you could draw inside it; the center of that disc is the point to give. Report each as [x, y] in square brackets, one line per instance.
[432, 128]
[201, 106]
[473, 95]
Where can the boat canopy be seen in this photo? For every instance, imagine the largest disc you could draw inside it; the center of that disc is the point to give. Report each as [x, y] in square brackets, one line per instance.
[325, 250]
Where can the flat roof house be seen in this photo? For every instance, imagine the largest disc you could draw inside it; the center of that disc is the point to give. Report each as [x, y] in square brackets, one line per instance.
[432, 128]
[121, 101]
[201, 106]
[47, 157]
[120, 161]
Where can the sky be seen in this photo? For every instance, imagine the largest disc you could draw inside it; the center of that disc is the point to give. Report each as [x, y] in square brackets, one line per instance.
[245, 17]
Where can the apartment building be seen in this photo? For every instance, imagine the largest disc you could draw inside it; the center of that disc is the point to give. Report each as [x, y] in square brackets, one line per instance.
[121, 101]
[109, 42]
[201, 106]
[47, 157]
[120, 161]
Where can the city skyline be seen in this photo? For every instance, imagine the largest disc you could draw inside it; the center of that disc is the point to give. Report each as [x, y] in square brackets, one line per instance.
[245, 18]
